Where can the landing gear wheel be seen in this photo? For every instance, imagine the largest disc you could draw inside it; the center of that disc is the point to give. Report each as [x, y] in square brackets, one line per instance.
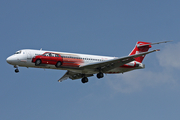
[38, 62]
[16, 70]
[100, 75]
[84, 80]
[58, 64]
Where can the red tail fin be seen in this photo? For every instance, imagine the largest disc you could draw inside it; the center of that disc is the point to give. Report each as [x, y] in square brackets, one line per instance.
[140, 47]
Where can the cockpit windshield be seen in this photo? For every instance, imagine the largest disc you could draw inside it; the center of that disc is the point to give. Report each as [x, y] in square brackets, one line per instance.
[18, 52]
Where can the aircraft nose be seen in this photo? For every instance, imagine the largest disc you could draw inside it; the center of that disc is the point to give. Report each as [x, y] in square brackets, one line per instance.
[11, 59]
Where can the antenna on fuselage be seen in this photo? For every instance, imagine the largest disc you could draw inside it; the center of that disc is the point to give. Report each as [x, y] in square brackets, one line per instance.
[40, 49]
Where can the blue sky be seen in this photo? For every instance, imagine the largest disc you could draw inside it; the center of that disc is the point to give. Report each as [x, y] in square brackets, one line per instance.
[98, 27]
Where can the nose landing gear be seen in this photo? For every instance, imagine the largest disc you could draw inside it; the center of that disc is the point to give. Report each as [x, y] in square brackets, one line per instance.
[16, 70]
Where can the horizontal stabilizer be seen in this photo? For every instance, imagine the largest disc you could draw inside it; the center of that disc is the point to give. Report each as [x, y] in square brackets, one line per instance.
[153, 43]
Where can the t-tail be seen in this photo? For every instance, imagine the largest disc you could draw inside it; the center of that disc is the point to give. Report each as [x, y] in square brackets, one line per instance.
[143, 47]
[139, 48]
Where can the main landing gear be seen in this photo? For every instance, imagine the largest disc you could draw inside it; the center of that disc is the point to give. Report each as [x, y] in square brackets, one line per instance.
[84, 80]
[100, 75]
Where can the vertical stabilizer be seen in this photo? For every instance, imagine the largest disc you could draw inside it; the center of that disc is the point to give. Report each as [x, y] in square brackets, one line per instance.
[140, 47]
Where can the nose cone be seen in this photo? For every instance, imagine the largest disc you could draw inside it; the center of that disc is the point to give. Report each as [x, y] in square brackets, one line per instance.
[11, 59]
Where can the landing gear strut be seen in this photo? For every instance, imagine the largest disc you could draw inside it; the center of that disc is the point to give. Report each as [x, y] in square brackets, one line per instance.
[100, 75]
[84, 80]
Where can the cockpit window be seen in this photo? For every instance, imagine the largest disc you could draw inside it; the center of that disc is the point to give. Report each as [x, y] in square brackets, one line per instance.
[18, 52]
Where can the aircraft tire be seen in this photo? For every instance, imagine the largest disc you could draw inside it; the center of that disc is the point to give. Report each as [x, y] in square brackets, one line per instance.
[38, 62]
[84, 80]
[58, 64]
[100, 75]
[16, 70]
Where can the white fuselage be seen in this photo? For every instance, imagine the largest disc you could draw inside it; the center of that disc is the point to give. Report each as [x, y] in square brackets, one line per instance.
[70, 61]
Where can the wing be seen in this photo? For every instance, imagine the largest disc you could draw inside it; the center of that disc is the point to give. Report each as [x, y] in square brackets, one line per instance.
[73, 76]
[103, 66]
[111, 64]
[64, 77]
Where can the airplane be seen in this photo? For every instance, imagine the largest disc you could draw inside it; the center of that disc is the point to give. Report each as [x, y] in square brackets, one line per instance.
[82, 66]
